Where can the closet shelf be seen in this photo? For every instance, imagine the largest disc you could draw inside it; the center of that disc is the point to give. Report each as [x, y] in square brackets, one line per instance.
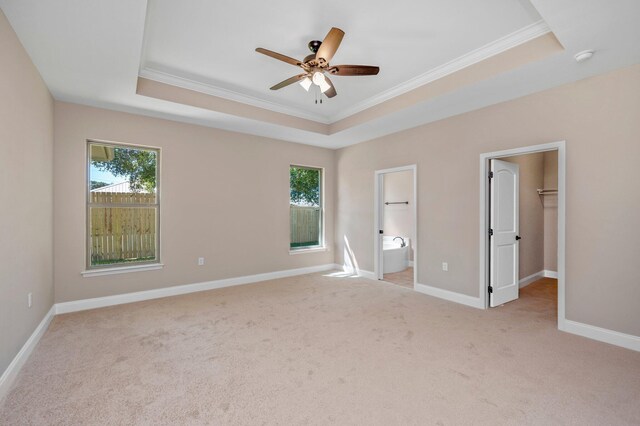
[547, 191]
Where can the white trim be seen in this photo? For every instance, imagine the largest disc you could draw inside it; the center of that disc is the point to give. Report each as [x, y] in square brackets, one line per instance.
[559, 146]
[121, 270]
[451, 296]
[531, 278]
[21, 357]
[503, 44]
[550, 274]
[118, 299]
[377, 207]
[367, 274]
[355, 272]
[516, 38]
[209, 89]
[628, 341]
[308, 250]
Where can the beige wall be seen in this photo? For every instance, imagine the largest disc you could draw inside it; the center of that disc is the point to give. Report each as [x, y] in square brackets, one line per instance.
[531, 246]
[598, 118]
[398, 218]
[26, 191]
[550, 203]
[225, 197]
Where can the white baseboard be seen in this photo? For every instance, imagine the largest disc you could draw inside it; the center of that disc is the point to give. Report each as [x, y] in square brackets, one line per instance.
[449, 295]
[348, 269]
[367, 274]
[628, 341]
[531, 278]
[101, 302]
[535, 277]
[12, 370]
[411, 264]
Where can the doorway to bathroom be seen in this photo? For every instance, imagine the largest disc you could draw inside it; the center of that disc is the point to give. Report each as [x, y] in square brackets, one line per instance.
[395, 229]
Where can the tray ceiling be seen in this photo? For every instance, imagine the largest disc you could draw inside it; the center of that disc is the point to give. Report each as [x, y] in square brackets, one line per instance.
[438, 58]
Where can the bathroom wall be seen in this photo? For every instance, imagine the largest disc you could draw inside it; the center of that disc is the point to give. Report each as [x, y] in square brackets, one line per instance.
[398, 218]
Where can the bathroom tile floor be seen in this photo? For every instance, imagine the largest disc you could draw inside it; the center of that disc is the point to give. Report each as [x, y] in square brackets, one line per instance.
[402, 278]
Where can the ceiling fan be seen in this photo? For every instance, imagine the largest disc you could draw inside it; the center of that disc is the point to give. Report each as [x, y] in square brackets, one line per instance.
[316, 65]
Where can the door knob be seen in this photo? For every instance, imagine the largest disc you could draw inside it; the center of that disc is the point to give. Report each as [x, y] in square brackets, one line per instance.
[518, 237]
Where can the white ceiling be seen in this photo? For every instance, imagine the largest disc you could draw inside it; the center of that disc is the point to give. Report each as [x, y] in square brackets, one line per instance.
[92, 51]
[214, 42]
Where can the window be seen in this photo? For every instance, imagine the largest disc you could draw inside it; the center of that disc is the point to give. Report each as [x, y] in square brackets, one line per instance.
[305, 208]
[123, 205]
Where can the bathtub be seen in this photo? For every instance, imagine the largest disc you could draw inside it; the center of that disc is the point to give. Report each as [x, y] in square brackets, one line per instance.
[394, 257]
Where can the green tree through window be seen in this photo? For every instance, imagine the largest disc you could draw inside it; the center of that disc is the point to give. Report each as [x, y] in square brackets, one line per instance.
[305, 189]
[138, 166]
[304, 185]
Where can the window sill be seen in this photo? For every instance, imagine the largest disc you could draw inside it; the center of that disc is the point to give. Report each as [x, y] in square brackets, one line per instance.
[121, 270]
[308, 250]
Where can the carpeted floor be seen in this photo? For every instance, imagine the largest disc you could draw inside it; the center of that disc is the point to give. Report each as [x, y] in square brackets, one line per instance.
[316, 349]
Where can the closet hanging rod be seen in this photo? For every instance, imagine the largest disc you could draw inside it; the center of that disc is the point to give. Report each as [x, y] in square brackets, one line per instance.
[547, 191]
[396, 202]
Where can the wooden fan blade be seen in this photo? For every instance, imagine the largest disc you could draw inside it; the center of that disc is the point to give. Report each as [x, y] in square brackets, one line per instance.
[353, 70]
[289, 81]
[279, 56]
[331, 92]
[330, 44]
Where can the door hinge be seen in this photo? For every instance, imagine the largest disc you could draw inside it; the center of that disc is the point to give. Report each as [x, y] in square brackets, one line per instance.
[491, 232]
[490, 175]
[490, 289]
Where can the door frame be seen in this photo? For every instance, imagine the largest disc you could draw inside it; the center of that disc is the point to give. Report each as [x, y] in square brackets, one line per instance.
[559, 146]
[378, 215]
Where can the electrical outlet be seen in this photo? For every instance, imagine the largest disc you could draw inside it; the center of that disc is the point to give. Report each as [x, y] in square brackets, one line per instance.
[200, 261]
[445, 266]
[30, 299]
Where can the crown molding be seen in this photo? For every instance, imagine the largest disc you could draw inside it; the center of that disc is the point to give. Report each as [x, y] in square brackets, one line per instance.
[496, 47]
[500, 45]
[209, 89]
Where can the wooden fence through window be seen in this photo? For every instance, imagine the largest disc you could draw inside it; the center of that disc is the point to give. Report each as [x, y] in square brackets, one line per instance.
[305, 224]
[122, 234]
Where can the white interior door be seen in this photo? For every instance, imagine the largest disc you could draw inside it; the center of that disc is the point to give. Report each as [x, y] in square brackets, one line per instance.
[504, 274]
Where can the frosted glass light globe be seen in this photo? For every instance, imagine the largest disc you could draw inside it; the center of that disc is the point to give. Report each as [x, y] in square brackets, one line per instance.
[318, 78]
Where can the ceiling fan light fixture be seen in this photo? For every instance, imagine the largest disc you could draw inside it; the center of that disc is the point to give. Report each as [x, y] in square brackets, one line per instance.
[324, 86]
[318, 78]
[306, 83]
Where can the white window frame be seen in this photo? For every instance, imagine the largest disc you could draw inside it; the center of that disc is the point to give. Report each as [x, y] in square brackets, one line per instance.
[118, 268]
[321, 237]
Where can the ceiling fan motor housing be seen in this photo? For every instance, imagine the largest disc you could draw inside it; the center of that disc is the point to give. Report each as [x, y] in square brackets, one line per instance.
[314, 45]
